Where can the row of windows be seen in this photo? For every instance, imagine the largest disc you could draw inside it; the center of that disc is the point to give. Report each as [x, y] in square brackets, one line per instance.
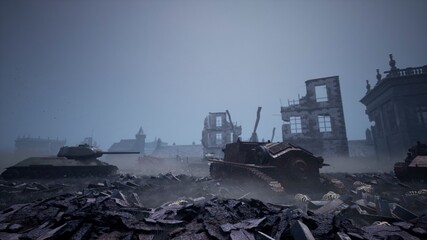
[324, 122]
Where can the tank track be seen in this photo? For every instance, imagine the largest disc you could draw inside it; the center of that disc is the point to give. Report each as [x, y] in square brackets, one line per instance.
[274, 184]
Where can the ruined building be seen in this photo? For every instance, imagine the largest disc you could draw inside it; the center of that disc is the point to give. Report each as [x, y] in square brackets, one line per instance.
[397, 108]
[217, 132]
[316, 120]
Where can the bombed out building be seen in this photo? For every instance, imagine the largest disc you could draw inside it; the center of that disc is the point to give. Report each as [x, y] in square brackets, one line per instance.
[217, 132]
[316, 120]
[397, 108]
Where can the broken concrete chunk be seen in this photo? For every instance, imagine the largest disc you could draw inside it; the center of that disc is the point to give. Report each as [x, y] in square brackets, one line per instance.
[228, 227]
[51, 233]
[15, 227]
[420, 232]
[355, 236]
[329, 207]
[383, 207]
[10, 236]
[241, 234]
[402, 212]
[301, 232]
[134, 198]
[294, 213]
[342, 236]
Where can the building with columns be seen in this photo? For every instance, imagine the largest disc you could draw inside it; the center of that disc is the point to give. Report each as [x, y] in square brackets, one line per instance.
[396, 106]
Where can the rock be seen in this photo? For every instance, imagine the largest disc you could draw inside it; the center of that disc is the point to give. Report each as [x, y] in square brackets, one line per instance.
[301, 232]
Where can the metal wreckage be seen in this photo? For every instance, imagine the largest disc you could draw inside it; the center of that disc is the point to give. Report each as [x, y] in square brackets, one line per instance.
[274, 164]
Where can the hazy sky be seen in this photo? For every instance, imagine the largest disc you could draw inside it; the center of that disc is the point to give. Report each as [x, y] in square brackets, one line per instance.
[70, 69]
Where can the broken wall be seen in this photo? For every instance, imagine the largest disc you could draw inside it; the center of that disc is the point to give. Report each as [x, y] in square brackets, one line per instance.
[316, 121]
[217, 132]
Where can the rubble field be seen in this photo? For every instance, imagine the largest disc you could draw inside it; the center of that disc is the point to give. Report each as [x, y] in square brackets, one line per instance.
[168, 206]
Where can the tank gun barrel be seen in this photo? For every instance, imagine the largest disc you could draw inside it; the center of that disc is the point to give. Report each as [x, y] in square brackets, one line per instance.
[120, 152]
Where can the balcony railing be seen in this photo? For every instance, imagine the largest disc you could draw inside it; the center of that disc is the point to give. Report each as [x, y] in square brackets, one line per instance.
[407, 72]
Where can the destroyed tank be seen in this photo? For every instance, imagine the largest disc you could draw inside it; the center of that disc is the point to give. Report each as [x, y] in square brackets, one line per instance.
[415, 165]
[75, 161]
[279, 165]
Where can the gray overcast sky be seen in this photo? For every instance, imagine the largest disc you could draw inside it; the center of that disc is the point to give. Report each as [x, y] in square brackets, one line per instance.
[70, 68]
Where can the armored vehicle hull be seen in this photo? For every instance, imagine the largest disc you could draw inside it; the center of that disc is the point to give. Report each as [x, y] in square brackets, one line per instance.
[415, 165]
[78, 161]
[58, 167]
[279, 165]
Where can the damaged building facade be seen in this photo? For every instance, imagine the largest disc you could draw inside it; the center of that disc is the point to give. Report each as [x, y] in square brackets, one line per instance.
[316, 120]
[397, 108]
[217, 132]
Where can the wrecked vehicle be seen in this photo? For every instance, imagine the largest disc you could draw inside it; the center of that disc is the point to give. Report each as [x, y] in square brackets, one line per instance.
[415, 165]
[275, 164]
[76, 161]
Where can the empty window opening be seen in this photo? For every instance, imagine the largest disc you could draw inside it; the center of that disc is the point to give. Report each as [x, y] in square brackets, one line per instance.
[219, 121]
[218, 138]
[321, 93]
[295, 123]
[324, 123]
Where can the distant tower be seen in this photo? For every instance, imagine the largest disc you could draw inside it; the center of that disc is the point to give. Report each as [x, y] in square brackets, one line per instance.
[140, 142]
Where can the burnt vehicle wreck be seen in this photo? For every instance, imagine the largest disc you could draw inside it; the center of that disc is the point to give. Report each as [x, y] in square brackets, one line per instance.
[71, 161]
[275, 164]
[415, 165]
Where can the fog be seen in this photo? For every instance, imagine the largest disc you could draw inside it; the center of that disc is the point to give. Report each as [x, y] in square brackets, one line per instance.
[72, 69]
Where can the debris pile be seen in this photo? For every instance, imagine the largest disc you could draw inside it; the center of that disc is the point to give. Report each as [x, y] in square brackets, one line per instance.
[112, 215]
[357, 206]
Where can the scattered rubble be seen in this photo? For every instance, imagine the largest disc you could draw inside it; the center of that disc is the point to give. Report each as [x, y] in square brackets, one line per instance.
[124, 207]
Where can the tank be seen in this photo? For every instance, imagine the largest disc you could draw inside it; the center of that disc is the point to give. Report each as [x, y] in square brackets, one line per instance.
[71, 161]
[279, 165]
[415, 165]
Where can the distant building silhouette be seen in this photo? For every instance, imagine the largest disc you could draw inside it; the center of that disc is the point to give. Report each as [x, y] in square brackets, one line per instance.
[183, 153]
[138, 144]
[397, 108]
[37, 146]
[132, 145]
[316, 120]
[217, 132]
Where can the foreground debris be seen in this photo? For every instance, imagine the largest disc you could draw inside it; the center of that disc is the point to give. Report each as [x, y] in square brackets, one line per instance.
[113, 216]
[359, 206]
